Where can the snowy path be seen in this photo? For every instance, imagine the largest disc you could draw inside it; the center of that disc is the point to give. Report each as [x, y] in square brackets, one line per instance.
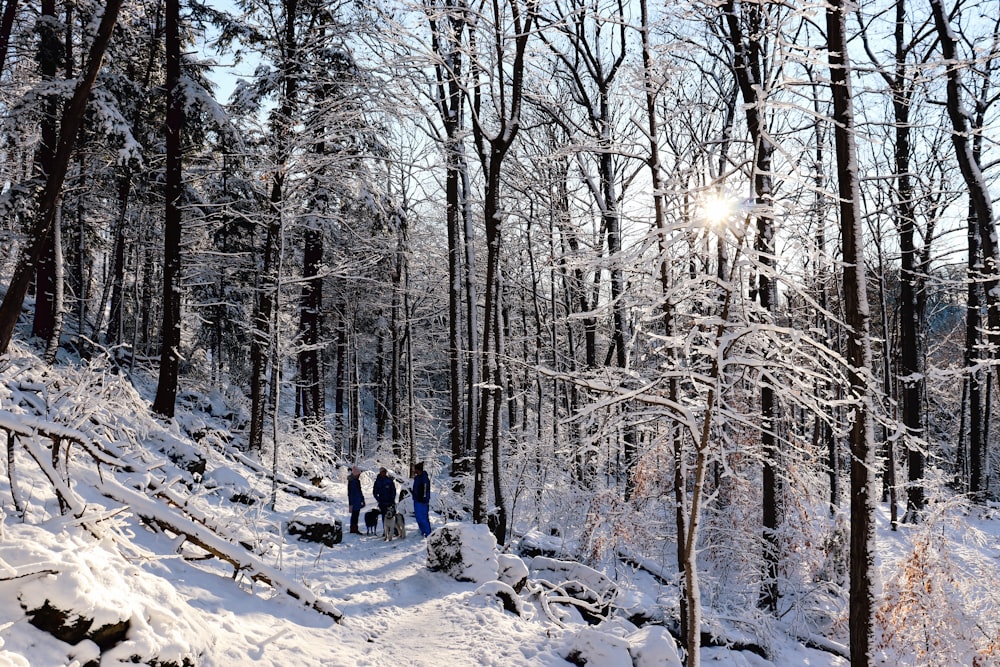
[399, 613]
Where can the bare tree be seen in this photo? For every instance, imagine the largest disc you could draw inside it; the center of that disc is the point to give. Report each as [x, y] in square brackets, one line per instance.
[963, 139]
[494, 133]
[749, 65]
[591, 44]
[859, 358]
[448, 23]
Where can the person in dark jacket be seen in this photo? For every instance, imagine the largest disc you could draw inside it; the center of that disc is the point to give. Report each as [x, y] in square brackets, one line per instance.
[384, 491]
[355, 498]
[421, 498]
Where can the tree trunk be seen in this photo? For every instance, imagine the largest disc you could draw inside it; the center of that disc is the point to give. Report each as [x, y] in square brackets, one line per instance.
[492, 150]
[170, 336]
[471, 320]
[491, 215]
[973, 322]
[52, 348]
[667, 309]
[115, 289]
[340, 386]
[912, 299]
[41, 228]
[863, 465]
[450, 93]
[980, 199]
[748, 67]
[6, 27]
[312, 396]
[51, 55]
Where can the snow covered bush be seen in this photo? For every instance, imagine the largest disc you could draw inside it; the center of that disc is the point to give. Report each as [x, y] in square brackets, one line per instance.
[463, 551]
[935, 608]
[612, 522]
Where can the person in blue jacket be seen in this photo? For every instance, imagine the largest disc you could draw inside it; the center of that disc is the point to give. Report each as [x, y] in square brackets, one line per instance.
[384, 491]
[355, 498]
[421, 498]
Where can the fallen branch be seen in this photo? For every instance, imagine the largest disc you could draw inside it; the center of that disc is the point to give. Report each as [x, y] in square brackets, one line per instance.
[288, 485]
[27, 426]
[29, 574]
[206, 539]
[818, 642]
[164, 492]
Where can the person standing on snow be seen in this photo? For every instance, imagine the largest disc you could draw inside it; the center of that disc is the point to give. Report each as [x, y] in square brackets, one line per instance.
[355, 498]
[384, 490]
[421, 498]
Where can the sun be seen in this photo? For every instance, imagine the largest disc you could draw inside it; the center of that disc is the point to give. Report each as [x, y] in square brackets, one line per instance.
[717, 208]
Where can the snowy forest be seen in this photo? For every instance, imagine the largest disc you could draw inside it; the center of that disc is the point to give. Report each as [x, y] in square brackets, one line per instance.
[708, 291]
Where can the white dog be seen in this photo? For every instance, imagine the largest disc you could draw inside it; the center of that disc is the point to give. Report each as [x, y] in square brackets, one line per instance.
[394, 525]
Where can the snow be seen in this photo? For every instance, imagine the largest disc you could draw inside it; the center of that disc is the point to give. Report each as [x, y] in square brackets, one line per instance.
[464, 551]
[652, 646]
[362, 602]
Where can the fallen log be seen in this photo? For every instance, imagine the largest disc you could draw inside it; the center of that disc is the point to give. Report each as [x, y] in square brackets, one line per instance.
[204, 538]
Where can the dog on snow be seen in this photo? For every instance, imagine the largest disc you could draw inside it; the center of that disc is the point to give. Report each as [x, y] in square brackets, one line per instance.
[371, 521]
[393, 524]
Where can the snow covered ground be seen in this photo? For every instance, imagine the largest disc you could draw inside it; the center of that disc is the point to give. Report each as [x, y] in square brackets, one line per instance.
[112, 565]
[396, 611]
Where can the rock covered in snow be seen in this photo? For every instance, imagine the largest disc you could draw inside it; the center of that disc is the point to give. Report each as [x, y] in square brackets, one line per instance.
[315, 528]
[512, 571]
[181, 453]
[497, 590]
[653, 646]
[74, 602]
[464, 551]
[597, 649]
[534, 543]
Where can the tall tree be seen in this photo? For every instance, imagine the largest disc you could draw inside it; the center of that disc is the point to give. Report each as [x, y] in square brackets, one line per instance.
[285, 54]
[48, 199]
[51, 56]
[494, 132]
[749, 65]
[170, 331]
[651, 88]
[448, 22]
[980, 204]
[859, 358]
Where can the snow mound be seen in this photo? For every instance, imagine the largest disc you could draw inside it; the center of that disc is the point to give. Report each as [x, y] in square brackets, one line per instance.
[110, 608]
[652, 646]
[592, 647]
[232, 486]
[512, 571]
[493, 591]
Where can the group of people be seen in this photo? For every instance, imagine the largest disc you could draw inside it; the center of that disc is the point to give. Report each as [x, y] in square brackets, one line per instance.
[384, 492]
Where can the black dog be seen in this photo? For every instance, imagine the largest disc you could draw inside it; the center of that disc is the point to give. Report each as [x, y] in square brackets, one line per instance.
[371, 521]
